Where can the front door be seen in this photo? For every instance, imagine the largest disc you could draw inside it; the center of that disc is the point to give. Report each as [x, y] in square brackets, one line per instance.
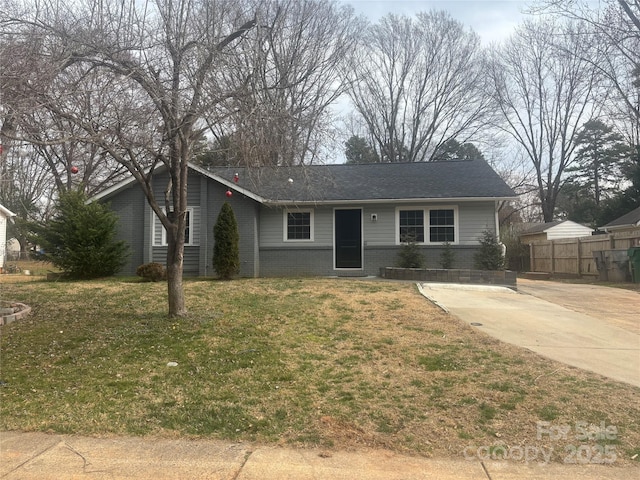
[348, 238]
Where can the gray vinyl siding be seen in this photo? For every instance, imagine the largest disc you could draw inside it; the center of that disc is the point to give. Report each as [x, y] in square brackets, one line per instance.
[263, 249]
[191, 265]
[137, 227]
[247, 214]
[281, 258]
[207, 198]
[272, 227]
[475, 218]
[382, 232]
[129, 205]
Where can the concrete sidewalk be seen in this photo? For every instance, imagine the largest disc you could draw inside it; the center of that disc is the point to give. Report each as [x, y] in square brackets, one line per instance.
[556, 332]
[31, 456]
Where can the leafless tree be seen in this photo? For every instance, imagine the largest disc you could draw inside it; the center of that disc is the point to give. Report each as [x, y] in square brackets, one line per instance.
[611, 42]
[26, 189]
[417, 83]
[284, 116]
[52, 140]
[165, 56]
[544, 93]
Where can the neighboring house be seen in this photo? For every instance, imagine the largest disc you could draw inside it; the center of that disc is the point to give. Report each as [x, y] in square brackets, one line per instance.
[628, 223]
[321, 220]
[554, 231]
[5, 215]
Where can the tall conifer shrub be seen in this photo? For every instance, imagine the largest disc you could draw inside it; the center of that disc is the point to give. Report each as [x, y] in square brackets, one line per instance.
[226, 251]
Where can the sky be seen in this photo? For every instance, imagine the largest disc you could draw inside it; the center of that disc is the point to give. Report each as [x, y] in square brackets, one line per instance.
[493, 20]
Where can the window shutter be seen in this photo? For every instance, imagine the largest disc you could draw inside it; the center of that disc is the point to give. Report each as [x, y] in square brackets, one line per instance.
[195, 225]
[157, 230]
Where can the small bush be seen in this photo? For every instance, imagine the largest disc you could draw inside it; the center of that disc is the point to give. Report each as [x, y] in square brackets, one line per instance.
[447, 257]
[153, 272]
[409, 255]
[490, 256]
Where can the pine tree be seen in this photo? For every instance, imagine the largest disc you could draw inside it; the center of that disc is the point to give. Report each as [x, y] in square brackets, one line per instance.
[226, 251]
[80, 238]
[454, 150]
[599, 156]
[358, 150]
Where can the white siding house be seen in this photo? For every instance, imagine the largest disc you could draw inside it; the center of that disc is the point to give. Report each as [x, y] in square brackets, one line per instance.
[5, 215]
[554, 231]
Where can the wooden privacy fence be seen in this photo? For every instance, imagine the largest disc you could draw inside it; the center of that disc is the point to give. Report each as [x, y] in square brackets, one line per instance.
[574, 256]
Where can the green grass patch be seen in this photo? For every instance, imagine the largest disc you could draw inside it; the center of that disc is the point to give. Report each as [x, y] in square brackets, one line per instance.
[309, 362]
[440, 362]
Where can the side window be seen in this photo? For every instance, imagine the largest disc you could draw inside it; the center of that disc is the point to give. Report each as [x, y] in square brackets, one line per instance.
[411, 226]
[442, 226]
[187, 229]
[191, 233]
[299, 226]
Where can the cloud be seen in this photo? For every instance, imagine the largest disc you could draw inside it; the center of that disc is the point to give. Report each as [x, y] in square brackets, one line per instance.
[493, 20]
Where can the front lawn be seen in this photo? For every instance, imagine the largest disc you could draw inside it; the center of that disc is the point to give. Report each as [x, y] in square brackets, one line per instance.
[306, 362]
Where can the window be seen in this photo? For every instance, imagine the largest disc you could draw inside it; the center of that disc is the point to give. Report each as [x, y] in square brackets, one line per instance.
[427, 225]
[412, 226]
[187, 229]
[191, 233]
[441, 226]
[299, 226]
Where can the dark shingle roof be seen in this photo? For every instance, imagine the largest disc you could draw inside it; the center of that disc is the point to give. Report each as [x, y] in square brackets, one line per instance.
[380, 181]
[628, 219]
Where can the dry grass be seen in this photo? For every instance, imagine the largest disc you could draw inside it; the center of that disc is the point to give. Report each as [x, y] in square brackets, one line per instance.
[25, 271]
[331, 363]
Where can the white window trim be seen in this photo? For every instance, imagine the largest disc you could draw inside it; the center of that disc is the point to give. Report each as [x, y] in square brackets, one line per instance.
[426, 216]
[163, 238]
[285, 229]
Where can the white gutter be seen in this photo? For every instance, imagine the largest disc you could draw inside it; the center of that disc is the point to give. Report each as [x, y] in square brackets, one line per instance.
[385, 200]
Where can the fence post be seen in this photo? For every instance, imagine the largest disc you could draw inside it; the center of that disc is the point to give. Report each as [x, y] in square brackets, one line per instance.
[579, 255]
[553, 258]
[532, 258]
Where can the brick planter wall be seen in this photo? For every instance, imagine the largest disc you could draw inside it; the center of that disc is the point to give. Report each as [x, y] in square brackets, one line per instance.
[13, 312]
[503, 278]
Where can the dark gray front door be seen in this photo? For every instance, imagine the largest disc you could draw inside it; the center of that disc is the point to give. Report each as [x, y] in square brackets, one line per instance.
[348, 238]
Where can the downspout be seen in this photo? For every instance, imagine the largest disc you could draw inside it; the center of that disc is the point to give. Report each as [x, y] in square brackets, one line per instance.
[502, 245]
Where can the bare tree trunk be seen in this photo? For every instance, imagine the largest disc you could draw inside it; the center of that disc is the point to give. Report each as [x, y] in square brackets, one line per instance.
[175, 288]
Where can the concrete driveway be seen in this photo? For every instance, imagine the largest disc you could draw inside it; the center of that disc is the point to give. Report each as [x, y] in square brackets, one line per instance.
[586, 326]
